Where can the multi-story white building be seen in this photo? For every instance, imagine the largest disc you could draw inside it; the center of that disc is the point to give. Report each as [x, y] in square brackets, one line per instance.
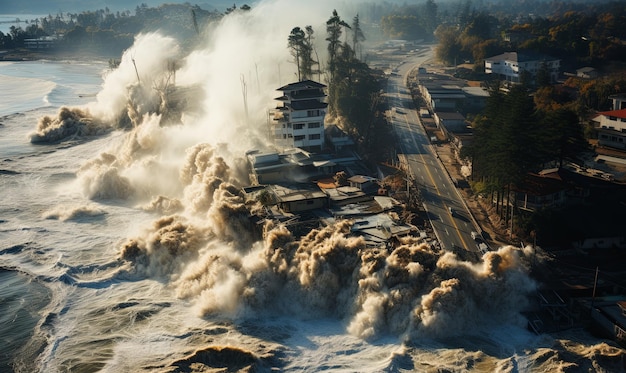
[508, 66]
[299, 121]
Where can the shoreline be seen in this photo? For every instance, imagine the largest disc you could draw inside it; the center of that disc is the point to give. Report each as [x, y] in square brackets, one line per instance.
[22, 54]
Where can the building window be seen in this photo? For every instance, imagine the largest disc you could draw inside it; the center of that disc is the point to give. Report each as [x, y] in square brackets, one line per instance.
[299, 138]
[315, 136]
[313, 113]
[314, 125]
[298, 126]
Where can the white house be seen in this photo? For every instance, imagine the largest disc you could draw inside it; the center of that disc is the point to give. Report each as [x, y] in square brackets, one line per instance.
[619, 101]
[508, 66]
[299, 121]
[612, 128]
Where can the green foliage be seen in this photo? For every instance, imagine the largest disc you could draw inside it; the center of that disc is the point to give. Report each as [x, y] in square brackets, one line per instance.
[334, 27]
[354, 93]
[505, 138]
[301, 47]
[411, 22]
[448, 49]
[402, 27]
[562, 136]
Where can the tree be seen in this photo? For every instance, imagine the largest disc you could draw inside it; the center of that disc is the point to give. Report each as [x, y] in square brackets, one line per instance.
[310, 50]
[562, 136]
[296, 45]
[300, 44]
[543, 75]
[429, 17]
[448, 49]
[357, 35]
[334, 27]
[506, 143]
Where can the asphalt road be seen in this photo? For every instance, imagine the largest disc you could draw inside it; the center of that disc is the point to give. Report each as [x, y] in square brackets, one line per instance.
[446, 210]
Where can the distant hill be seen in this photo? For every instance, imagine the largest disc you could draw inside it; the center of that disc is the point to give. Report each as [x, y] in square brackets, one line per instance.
[77, 6]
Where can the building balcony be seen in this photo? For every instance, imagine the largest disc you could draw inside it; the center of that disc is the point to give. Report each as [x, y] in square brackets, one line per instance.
[280, 117]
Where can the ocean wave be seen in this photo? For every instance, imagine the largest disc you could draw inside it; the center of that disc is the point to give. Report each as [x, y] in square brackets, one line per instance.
[67, 123]
[25, 94]
[89, 213]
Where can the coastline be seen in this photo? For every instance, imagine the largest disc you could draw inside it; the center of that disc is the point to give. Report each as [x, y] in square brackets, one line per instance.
[23, 54]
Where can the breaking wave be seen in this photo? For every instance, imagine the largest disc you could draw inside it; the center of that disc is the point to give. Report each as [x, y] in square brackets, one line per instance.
[67, 123]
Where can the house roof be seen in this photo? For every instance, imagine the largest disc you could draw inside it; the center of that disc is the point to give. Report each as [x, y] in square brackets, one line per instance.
[476, 91]
[614, 113]
[520, 57]
[450, 116]
[360, 179]
[301, 85]
[541, 185]
[586, 69]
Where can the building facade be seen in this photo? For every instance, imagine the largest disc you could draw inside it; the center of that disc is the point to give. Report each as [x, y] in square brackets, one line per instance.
[509, 66]
[612, 128]
[298, 121]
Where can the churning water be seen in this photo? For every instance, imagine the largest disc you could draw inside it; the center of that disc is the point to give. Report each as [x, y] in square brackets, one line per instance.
[125, 243]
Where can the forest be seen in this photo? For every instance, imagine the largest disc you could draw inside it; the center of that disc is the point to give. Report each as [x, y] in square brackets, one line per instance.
[108, 33]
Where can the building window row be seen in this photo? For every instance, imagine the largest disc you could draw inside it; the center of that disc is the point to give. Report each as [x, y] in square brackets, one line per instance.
[315, 136]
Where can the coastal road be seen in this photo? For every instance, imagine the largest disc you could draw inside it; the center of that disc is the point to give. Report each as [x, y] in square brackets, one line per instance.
[446, 210]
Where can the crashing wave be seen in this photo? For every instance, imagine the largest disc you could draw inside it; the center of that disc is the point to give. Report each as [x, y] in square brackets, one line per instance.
[68, 122]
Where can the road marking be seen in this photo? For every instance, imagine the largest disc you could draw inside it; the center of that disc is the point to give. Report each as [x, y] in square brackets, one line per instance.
[433, 161]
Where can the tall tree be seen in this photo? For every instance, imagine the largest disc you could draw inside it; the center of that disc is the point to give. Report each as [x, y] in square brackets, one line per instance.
[301, 47]
[296, 42]
[429, 17]
[334, 27]
[357, 35]
[311, 49]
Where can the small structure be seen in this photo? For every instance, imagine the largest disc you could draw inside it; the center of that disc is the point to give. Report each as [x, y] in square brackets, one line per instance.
[619, 101]
[450, 122]
[610, 318]
[44, 42]
[612, 128]
[337, 139]
[475, 99]
[509, 66]
[587, 73]
[294, 198]
[540, 190]
[516, 36]
[363, 183]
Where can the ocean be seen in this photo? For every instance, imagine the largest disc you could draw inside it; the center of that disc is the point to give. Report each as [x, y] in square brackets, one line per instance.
[125, 243]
